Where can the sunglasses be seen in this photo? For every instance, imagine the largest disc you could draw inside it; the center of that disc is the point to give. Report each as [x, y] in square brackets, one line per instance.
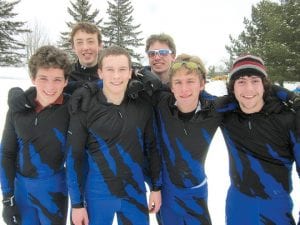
[159, 52]
[187, 64]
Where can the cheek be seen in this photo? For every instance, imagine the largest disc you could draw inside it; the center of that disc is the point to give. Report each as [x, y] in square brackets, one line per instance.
[61, 86]
[175, 91]
[66, 83]
[100, 73]
[262, 90]
[202, 85]
[129, 74]
[76, 48]
[33, 81]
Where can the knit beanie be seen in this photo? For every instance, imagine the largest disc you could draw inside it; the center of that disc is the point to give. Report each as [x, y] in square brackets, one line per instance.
[247, 65]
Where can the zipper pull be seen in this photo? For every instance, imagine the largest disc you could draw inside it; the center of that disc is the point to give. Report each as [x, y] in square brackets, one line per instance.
[36, 121]
[120, 114]
[249, 125]
[186, 133]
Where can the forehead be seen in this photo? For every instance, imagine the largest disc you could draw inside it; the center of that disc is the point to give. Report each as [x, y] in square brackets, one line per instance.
[158, 45]
[184, 74]
[49, 72]
[115, 60]
[81, 34]
[248, 77]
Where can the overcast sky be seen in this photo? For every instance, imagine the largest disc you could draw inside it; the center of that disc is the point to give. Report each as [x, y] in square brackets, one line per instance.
[198, 27]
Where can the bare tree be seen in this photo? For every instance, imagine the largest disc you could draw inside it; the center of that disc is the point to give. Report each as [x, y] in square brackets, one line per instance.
[35, 38]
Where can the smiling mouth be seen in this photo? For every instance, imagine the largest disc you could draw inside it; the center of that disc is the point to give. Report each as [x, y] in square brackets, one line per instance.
[248, 96]
[116, 83]
[86, 54]
[185, 96]
[49, 93]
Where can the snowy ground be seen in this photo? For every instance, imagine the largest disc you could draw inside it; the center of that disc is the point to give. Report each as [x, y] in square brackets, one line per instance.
[216, 164]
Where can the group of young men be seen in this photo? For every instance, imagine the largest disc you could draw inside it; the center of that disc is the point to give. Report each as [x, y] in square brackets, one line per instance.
[102, 155]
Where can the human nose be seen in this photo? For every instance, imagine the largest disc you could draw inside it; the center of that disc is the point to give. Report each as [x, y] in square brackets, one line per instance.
[184, 87]
[85, 45]
[249, 86]
[50, 85]
[156, 55]
[115, 74]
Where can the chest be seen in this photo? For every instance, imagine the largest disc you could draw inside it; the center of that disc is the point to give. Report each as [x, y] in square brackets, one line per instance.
[45, 124]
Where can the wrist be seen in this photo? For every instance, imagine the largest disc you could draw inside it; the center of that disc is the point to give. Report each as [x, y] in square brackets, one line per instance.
[78, 205]
[9, 201]
[156, 188]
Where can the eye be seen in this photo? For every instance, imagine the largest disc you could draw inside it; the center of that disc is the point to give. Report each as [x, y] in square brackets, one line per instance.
[176, 82]
[43, 78]
[151, 53]
[58, 80]
[79, 42]
[240, 82]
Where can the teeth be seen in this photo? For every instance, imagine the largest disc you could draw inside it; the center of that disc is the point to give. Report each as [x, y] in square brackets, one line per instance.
[119, 83]
[49, 93]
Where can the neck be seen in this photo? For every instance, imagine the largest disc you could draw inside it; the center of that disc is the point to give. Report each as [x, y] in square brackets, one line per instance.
[164, 77]
[255, 109]
[88, 66]
[115, 99]
[187, 108]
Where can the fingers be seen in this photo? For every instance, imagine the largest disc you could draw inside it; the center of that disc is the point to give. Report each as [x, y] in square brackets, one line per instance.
[74, 104]
[154, 208]
[85, 104]
[151, 207]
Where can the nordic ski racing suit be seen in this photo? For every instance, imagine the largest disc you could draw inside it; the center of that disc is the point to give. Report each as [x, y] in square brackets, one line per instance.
[115, 138]
[32, 162]
[262, 149]
[185, 144]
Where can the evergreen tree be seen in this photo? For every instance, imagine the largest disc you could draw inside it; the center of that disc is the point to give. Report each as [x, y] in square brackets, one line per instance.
[274, 34]
[119, 29]
[81, 13]
[10, 47]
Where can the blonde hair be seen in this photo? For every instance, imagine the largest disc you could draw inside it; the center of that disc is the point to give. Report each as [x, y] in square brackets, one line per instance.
[183, 60]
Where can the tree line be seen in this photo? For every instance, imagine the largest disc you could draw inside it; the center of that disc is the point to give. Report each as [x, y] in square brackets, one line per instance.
[272, 32]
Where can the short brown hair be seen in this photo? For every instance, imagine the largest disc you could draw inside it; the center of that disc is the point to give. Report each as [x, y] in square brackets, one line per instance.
[49, 56]
[115, 51]
[163, 38]
[86, 27]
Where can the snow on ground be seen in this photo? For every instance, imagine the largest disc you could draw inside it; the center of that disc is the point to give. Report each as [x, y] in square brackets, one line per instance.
[217, 159]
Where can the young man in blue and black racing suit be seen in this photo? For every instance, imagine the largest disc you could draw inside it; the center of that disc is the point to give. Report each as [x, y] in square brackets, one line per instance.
[114, 131]
[33, 145]
[263, 145]
[187, 122]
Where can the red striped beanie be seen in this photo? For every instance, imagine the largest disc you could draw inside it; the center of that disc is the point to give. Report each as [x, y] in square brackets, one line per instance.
[248, 65]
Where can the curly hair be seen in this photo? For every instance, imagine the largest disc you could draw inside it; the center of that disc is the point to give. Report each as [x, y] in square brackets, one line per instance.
[49, 56]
